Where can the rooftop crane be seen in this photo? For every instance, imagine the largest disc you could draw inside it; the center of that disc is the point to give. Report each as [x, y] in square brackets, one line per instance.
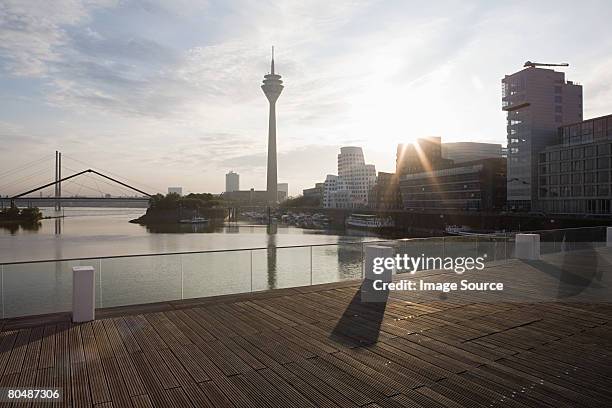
[540, 64]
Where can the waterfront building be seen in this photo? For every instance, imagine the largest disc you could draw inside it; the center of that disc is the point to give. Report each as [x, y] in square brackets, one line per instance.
[272, 88]
[537, 102]
[350, 188]
[473, 186]
[423, 155]
[283, 191]
[315, 192]
[574, 175]
[176, 190]
[385, 194]
[461, 152]
[250, 197]
[232, 182]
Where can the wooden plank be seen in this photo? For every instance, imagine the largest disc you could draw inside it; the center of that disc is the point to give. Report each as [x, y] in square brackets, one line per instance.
[47, 349]
[97, 379]
[18, 352]
[118, 389]
[32, 355]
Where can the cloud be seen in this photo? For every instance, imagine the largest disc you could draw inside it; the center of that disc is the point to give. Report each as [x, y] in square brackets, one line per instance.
[32, 31]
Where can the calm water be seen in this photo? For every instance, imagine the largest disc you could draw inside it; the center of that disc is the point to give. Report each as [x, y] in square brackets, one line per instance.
[97, 232]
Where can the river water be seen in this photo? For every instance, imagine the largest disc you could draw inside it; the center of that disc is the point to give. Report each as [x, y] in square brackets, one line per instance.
[46, 287]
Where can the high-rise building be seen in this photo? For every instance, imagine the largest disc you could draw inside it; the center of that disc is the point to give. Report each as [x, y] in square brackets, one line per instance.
[574, 175]
[537, 102]
[232, 182]
[283, 191]
[272, 87]
[423, 155]
[350, 188]
[461, 152]
[176, 190]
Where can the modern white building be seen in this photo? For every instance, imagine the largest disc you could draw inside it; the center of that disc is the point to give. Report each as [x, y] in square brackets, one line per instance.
[232, 182]
[177, 190]
[461, 152]
[350, 188]
[537, 101]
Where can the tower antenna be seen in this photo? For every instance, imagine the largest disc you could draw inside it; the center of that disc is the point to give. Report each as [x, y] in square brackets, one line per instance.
[272, 60]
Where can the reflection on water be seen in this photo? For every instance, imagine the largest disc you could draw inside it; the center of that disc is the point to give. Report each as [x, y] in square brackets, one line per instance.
[271, 230]
[13, 228]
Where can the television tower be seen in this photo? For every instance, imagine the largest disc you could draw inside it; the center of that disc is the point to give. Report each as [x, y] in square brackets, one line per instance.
[272, 87]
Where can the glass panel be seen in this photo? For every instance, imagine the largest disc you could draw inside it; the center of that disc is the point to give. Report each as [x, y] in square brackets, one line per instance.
[216, 273]
[334, 263]
[275, 268]
[142, 279]
[38, 288]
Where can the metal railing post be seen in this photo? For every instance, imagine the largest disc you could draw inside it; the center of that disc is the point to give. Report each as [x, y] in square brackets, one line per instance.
[251, 252]
[100, 279]
[311, 265]
[182, 278]
[2, 287]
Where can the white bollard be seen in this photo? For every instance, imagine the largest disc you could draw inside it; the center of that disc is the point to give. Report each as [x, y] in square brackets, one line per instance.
[369, 291]
[609, 237]
[83, 294]
[528, 246]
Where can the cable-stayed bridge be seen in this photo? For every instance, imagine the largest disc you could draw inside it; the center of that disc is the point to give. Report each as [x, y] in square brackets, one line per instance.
[69, 187]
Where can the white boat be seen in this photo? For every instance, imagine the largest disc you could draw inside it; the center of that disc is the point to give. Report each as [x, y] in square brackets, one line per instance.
[369, 221]
[194, 220]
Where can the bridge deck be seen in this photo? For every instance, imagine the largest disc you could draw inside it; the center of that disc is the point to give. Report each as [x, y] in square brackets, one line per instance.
[320, 347]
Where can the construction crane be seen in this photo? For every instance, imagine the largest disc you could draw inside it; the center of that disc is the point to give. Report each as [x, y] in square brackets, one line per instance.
[539, 64]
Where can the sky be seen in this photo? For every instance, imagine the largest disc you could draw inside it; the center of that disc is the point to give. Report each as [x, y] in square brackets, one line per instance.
[167, 93]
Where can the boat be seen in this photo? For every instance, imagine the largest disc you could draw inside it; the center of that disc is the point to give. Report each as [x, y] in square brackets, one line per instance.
[194, 220]
[369, 221]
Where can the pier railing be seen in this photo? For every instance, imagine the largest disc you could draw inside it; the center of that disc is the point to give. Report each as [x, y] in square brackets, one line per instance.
[45, 286]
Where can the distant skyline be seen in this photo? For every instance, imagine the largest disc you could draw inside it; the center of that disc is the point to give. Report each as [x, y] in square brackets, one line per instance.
[168, 92]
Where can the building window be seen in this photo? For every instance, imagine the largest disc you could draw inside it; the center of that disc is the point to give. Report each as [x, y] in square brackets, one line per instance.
[603, 190]
[554, 191]
[603, 149]
[589, 191]
[589, 177]
[565, 167]
[577, 165]
[577, 153]
[553, 156]
[589, 151]
[565, 154]
[576, 191]
[564, 179]
[603, 163]
[589, 164]
[554, 179]
[603, 177]
[577, 178]
[553, 167]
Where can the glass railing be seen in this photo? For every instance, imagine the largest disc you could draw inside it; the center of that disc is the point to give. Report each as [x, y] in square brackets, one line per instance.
[40, 287]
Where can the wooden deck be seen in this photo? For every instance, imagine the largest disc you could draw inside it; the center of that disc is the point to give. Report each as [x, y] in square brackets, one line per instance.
[319, 347]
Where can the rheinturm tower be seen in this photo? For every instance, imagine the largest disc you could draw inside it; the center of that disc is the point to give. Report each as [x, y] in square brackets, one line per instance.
[272, 87]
